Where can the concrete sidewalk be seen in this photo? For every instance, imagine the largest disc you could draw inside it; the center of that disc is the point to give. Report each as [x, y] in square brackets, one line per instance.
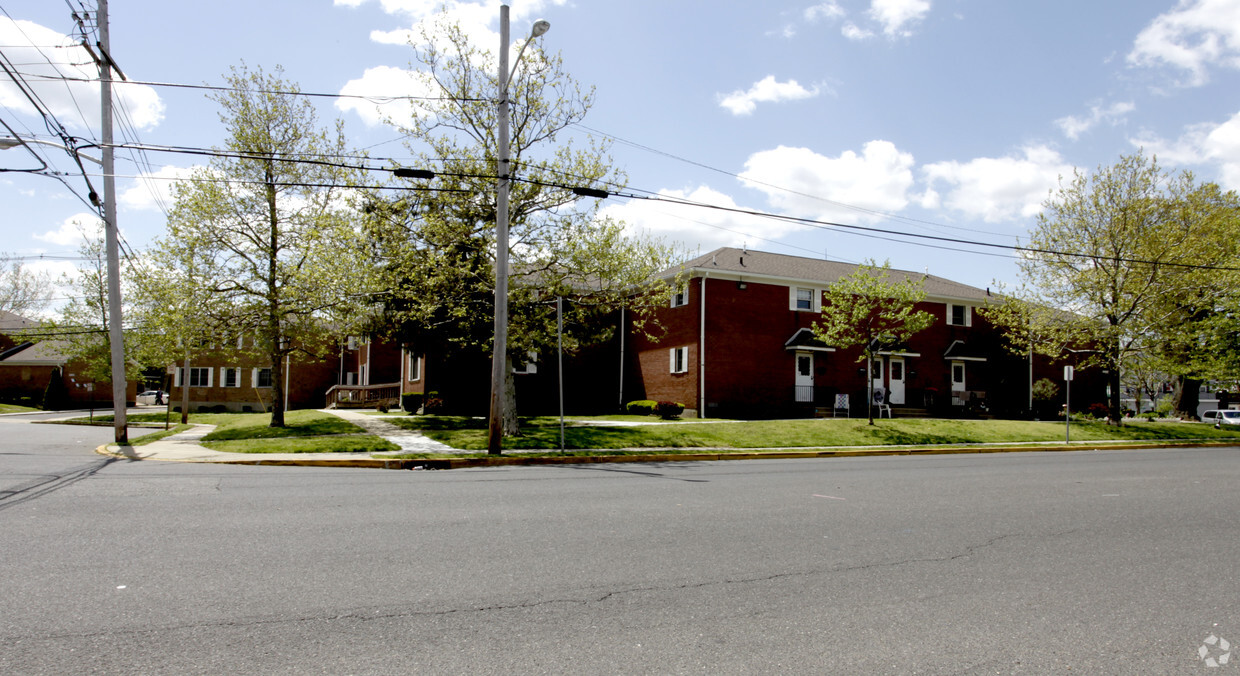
[185, 447]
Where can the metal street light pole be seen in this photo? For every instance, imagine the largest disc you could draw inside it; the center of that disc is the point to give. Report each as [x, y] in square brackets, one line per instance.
[499, 358]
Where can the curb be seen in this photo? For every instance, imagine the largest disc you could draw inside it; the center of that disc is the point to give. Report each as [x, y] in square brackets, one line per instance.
[516, 460]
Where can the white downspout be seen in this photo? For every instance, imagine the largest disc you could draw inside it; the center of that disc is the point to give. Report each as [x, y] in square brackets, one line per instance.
[288, 368]
[401, 393]
[702, 351]
[368, 341]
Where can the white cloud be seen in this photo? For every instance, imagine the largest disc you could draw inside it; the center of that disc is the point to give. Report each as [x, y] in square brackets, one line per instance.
[694, 227]
[854, 32]
[815, 186]
[392, 82]
[997, 189]
[1193, 36]
[75, 103]
[766, 90]
[826, 10]
[896, 15]
[1073, 126]
[153, 191]
[1207, 143]
[74, 231]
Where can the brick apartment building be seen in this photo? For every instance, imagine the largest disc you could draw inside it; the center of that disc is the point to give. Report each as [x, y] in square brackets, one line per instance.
[739, 343]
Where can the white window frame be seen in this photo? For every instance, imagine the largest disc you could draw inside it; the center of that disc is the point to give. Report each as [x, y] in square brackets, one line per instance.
[351, 378]
[224, 373]
[254, 377]
[681, 296]
[815, 299]
[181, 375]
[679, 359]
[415, 368]
[351, 343]
[530, 366]
[968, 314]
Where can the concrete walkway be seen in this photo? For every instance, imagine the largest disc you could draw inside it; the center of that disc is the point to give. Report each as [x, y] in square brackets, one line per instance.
[410, 441]
[185, 447]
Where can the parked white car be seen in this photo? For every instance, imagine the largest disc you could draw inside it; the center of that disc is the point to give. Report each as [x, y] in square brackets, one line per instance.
[1221, 417]
[150, 398]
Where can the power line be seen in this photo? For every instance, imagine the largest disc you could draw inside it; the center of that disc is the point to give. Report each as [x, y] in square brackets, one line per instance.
[372, 98]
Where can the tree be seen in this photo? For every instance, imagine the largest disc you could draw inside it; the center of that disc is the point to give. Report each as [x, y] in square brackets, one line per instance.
[179, 315]
[867, 309]
[1115, 263]
[439, 238]
[23, 291]
[81, 328]
[274, 238]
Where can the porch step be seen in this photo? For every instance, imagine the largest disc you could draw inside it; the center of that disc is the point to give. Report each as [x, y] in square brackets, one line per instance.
[908, 412]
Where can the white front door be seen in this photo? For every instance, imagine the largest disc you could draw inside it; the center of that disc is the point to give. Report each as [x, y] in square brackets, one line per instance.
[895, 371]
[805, 377]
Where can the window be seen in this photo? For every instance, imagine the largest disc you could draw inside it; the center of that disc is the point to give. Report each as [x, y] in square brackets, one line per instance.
[802, 299]
[351, 343]
[530, 365]
[681, 297]
[805, 365]
[230, 377]
[680, 359]
[199, 377]
[959, 315]
[415, 368]
[261, 377]
[350, 378]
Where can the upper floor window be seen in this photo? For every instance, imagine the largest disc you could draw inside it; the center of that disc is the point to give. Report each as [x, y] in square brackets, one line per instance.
[804, 299]
[528, 365]
[959, 315]
[681, 296]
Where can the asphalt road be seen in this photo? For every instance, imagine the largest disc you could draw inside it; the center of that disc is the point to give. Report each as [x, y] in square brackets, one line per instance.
[1110, 562]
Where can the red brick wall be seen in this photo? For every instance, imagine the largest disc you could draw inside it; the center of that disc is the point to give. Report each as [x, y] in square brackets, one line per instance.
[749, 372]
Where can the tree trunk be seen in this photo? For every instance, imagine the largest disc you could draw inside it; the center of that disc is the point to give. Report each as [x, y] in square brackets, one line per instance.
[512, 425]
[1184, 396]
[277, 387]
[185, 393]
[1115, 404]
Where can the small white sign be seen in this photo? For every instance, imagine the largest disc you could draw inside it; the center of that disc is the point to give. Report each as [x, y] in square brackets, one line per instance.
[1067, 373]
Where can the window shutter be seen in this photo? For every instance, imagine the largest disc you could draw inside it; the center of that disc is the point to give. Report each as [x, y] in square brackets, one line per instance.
[176, 381]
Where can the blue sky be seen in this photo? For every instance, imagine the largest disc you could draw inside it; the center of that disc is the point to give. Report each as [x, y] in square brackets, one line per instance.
[951, 118]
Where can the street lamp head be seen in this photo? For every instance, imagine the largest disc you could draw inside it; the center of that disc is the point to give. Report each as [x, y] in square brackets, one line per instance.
[541, 26]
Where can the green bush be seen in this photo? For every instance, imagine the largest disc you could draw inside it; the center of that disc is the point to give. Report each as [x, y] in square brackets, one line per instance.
[57, 395]
[411, 401]
[668, 409]
[641, 407]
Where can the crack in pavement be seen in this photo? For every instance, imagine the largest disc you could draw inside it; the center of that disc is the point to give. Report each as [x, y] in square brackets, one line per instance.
[363, 615]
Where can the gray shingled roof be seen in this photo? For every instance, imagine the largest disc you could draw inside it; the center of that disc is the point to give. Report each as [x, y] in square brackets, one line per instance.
[799, 268]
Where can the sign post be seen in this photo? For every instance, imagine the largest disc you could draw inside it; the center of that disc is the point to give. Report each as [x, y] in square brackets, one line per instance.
[1067, 403]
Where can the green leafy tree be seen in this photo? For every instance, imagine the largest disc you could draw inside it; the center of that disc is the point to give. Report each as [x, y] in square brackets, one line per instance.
[81, 328]
[23, 291]
[439, 237]
[1116, 268]
[179, 315]
[273, 236]
[870, 310]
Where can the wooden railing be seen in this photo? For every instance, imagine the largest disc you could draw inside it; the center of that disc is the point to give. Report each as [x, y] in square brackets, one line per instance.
[364, 396]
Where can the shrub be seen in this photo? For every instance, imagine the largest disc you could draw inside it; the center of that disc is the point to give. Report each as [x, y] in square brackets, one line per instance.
[382, 407]
[1098, 410]
[668, 409]
[411, 401]
[56, 395]
[219, 408]
[640, 407]
[432, 404]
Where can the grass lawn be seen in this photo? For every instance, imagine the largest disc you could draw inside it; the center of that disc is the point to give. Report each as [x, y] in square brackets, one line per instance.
[544, 433]
[14, 408]
[352, 443]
